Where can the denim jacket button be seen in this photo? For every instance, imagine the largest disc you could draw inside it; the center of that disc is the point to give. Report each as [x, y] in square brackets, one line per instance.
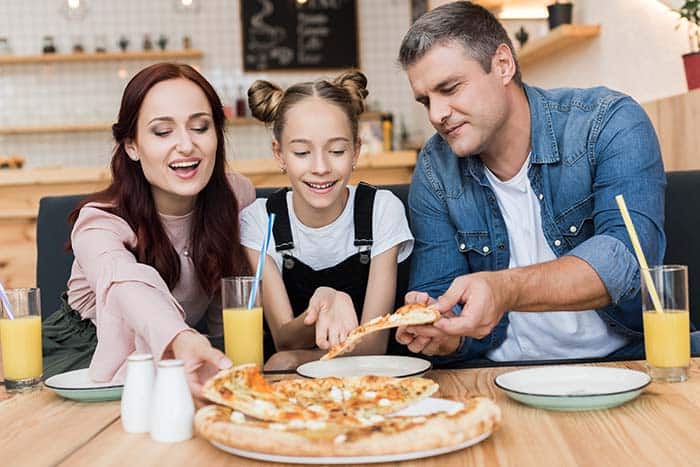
[486, 249]
[501, 246]
[573, 229]
[540, 196]
[462, 247]
[557, 242]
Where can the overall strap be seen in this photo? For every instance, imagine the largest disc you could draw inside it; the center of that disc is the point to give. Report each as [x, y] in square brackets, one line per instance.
[364, 206]
[277, 203]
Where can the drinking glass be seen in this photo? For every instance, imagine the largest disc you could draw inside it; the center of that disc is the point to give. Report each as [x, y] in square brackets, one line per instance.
[243, 326]
[20, 339]
[667, 332]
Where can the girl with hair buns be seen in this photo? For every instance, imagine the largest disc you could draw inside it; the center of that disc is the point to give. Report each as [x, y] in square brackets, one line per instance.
[335, 247]
[151, 249]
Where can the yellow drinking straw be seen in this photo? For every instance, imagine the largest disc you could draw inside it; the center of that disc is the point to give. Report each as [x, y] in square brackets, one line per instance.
[640, 254]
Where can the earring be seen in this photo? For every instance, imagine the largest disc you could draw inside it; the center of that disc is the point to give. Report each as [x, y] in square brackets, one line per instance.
[134, 158]
[283, 169]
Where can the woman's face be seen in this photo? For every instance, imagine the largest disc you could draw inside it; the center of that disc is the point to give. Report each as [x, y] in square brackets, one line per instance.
[175, 144]
[318, 152]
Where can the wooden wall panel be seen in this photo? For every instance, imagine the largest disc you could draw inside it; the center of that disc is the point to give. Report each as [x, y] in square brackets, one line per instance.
[677, 123]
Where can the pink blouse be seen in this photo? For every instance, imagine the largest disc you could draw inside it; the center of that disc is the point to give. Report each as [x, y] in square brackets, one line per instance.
[130, 304]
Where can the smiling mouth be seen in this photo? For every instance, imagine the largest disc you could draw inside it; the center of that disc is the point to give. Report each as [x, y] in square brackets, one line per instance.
[449, 131]
[321, 186]
[184, 166]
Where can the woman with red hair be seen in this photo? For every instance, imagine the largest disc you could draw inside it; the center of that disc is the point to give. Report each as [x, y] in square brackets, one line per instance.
[151, 249]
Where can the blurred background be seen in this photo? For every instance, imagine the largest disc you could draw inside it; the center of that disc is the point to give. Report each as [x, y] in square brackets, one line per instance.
[57, 112]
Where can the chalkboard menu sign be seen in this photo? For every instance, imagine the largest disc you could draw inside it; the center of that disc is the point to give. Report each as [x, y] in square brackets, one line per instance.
[288, 34]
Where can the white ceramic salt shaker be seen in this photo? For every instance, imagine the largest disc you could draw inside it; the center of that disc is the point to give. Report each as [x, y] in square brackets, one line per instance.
[172, 408]
[137, 393]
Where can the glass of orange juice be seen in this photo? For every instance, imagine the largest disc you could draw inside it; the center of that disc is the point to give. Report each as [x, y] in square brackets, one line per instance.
[667, 331]
[243, 326]
[20, 340]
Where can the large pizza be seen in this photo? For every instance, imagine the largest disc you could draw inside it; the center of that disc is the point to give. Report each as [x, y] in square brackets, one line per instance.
[329, 417]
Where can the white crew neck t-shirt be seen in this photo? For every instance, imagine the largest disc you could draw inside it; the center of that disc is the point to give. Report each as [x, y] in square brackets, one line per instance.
[541, 335]
[326, 246]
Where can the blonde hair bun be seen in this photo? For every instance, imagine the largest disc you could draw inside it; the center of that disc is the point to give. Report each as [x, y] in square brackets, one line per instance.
[264, 100]
[355, 83]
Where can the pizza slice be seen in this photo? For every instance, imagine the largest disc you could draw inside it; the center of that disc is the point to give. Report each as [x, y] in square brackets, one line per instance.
[244, 389]
[366, 397]
[323, 395]
[408, 315]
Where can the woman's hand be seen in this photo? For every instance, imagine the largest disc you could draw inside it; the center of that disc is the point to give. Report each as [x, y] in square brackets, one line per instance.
[202, 361]
[334, 315]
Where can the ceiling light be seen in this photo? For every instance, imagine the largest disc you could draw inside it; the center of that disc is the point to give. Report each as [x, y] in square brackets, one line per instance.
[74, 9]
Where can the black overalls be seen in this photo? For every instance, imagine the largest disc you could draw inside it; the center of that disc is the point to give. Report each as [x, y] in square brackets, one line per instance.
[301, 281]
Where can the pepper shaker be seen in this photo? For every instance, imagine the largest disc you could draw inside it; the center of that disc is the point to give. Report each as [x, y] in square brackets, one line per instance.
[172, 408]
[137, 393]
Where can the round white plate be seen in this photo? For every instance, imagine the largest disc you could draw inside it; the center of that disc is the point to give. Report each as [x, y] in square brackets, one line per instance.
[77, 385]
[573, 387]
[422, 407]
[382, 365]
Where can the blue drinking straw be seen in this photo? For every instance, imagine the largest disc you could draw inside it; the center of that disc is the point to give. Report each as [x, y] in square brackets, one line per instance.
[261, 261]
[6, 301]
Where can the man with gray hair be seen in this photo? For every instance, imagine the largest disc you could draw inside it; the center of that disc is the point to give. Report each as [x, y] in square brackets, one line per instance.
[517, 232]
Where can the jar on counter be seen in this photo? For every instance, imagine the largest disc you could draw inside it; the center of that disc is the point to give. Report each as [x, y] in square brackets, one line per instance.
[5, 48]
[48, 45]
[78, 46]
[100, 44]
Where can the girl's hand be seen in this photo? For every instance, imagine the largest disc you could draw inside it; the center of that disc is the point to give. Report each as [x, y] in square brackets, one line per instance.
[334, 315]
[202, 361]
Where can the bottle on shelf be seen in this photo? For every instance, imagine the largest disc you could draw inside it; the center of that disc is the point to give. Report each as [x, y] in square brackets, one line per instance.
[241, 103]
[123, 43]
[147, 42]
[162, 41]
[387, 132]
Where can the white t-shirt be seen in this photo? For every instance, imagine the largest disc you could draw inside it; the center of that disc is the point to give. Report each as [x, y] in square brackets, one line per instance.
[542, 335]
[326, 246]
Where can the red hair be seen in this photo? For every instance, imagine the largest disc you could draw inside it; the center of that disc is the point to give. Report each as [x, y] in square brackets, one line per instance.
[216, 250]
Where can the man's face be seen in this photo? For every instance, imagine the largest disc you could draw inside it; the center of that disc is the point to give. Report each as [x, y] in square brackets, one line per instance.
[466, 105]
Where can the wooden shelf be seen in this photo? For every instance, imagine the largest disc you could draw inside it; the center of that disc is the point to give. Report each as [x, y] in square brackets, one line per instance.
[45, 129]
[559, 38]
[107, 127]
[92, 127]
[100, 57]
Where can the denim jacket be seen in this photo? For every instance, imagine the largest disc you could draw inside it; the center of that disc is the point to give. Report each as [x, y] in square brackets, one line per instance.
[587, 145]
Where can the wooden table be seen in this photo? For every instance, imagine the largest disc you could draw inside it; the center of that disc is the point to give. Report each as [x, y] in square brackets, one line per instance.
[658, 428]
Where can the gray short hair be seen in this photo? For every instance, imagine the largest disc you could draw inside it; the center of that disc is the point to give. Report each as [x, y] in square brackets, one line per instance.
[468, 24]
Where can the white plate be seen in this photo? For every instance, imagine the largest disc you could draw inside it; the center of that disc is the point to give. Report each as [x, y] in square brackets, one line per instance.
[382, 365]
[573, 387]
[77, 385]
[422, 407]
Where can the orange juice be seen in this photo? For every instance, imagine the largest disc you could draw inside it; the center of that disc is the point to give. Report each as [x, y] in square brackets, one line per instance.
[21, 347]
[667, 338]
[243, 335]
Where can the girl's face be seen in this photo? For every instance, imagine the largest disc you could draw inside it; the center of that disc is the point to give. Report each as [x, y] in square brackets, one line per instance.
[319, 153]
[175, 144]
